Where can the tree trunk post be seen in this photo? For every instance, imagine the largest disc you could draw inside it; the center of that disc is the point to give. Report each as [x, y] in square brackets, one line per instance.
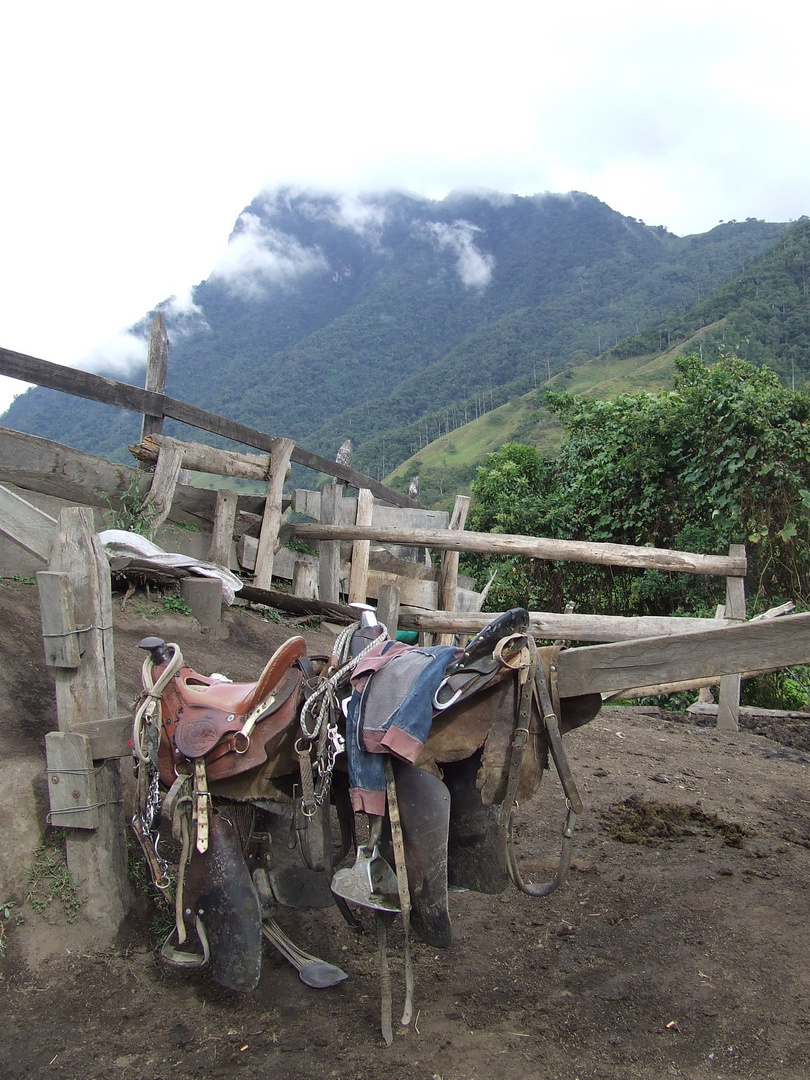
[157, 365]
[358, 580]
[448, 584]
[329, 550]
[728, 705]
[96, 857]
[276, 477]
[388, 609]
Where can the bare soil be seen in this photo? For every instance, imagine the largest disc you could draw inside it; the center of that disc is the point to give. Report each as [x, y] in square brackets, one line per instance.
[678, 946]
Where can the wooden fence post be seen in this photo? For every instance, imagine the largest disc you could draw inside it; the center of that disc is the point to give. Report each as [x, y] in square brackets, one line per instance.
[728, 704]
[388, 609]
[276, 476]
[85, 694]
[329, 550]
[157, 365]
[219, 550]
[358, 579]
[448, 582]
[161, 493]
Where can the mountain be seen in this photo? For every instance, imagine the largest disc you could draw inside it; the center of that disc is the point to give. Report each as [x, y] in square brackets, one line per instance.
[763, 314]
[390, 319]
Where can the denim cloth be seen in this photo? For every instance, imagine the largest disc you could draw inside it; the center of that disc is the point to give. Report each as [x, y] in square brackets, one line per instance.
[389, 703]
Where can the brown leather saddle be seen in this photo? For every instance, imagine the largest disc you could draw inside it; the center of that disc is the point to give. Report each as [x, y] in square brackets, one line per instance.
[235, 727]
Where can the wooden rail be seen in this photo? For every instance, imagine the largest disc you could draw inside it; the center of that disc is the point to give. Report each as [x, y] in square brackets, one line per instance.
[125, 396]
[536, 548]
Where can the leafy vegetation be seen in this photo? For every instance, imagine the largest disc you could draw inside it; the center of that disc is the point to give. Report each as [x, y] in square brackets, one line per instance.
[722, 458]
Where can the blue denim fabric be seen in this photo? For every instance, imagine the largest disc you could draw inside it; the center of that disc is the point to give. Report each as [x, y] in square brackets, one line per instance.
[414, 714]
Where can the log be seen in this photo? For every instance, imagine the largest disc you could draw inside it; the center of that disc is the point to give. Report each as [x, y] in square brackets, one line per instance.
[535, 548]
[206, 459]
[571, 627]
[766, 646]
[297, 605]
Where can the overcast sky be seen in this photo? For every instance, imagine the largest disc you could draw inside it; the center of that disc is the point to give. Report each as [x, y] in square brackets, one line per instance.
[132, 136]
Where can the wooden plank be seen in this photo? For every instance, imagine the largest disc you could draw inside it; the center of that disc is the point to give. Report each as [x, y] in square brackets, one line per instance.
[157, 365]
[71, 781]
[329, 550]
[206, 459]
[358, 578]
[534, 547]
[109, 738]
[58, 623]
[448, 582]
[124, 396]
[308, 503]
[305, 578]
[219, 550]
[268, 540]
[728, 716]
[50, 468]
[161, 493]
[26, 525]
[764, 646]
[571, 627]
[388, 609]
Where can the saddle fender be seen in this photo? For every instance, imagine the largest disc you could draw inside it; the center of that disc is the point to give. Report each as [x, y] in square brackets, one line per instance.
[220, 891]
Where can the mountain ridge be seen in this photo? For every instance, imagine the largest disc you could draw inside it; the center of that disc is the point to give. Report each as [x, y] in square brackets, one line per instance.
[386, 318]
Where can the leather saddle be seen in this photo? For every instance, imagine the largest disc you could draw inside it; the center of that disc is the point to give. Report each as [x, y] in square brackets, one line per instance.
[234, 726]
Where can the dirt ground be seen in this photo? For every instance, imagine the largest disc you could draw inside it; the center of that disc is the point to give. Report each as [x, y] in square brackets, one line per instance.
[678, 946]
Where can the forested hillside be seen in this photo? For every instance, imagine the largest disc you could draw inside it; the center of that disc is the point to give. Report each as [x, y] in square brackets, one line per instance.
[391, 319]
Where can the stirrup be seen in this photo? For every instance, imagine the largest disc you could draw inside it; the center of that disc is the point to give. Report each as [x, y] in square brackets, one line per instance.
[182, 959]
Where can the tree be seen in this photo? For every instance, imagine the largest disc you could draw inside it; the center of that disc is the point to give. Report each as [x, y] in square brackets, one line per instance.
[722, 458]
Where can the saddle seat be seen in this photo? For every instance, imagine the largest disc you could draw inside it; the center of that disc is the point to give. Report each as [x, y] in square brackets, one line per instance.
[234, 726]
[240, 698]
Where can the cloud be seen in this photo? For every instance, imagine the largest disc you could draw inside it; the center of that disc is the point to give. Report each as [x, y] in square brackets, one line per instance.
[182, 316]
[121, 356]
[258, 255]
[474, 267]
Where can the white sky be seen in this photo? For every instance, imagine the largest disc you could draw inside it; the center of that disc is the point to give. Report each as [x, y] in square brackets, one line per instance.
[132, 136]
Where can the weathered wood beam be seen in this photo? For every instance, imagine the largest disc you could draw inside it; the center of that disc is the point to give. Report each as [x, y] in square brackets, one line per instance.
[50, 468]
[125, 396]
[535, 548]
[198, 457]
[569, 627]
[298, 605]
[764, 646]
[26, 525]
[157, 366]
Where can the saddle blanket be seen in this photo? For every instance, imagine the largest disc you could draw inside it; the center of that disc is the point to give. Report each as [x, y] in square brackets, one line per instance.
[390, 712]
